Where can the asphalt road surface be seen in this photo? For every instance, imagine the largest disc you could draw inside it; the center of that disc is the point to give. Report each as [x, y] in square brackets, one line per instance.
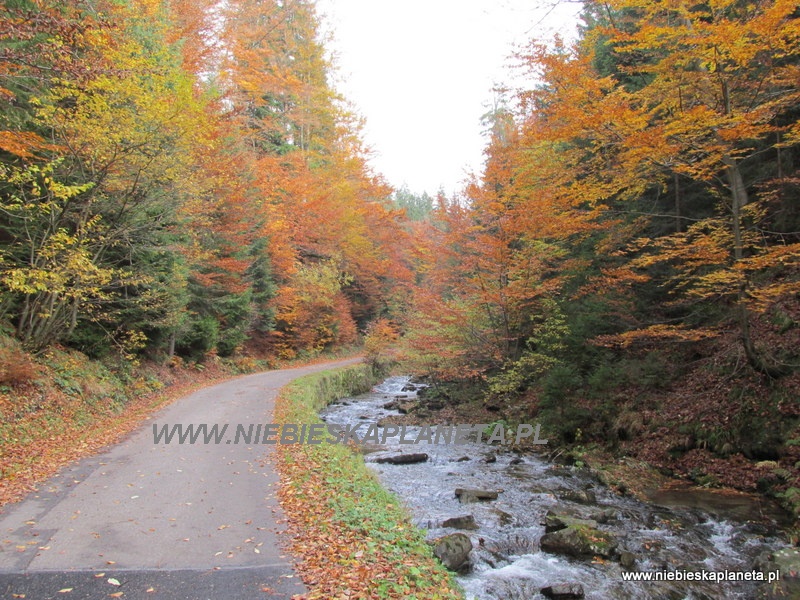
[161, 521]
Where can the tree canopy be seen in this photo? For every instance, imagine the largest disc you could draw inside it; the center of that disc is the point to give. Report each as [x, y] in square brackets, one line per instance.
[181, 177]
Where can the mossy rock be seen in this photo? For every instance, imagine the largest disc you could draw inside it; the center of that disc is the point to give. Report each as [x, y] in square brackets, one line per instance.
[787, 562]
[453, 551]
[580, 541]
[554, 522]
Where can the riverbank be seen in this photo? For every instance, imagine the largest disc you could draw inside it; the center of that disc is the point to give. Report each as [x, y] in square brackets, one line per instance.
[624, 474]
[534, 524]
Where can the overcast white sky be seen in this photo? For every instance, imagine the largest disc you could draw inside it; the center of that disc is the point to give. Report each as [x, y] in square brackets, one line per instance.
[421, 73]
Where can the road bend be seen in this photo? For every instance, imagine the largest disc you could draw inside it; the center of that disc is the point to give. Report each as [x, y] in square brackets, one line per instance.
[164, 521]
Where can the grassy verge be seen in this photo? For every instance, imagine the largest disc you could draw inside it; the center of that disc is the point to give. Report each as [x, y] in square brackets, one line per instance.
[355, 538]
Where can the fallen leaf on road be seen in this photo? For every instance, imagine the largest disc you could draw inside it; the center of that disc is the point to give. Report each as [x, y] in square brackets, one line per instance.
[99, 575]
[64, 590]
[150, 590]
[115, 595]
[113, 581]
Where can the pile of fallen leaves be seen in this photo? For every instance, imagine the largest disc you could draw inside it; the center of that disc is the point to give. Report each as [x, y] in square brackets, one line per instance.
[352, 536]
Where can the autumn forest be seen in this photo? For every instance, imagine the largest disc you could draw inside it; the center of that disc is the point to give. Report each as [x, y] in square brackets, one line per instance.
[179, 181]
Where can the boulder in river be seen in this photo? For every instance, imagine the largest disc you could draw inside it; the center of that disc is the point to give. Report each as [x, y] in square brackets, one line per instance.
[504, 517]
[406, 406]
[603, 515]
[461, 522]
[453, 551]
[786, 561]
[627, 559]
[466, 495]
[579, 541]
[554, 522]
[403, 459]
[579, 496]
[563, 591]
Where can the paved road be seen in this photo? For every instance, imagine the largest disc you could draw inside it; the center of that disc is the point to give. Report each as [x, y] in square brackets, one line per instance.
[165, 521]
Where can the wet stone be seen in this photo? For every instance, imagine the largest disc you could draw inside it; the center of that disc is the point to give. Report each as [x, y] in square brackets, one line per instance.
[453, 551]
[605, 515]
[406, 407]
[785, 560]
[465, 495]
[627, 559]
[403, 459]
[505, 518]
[563, 591]
[579, 496]
[554, 522]
[461, 522]
[579, 541]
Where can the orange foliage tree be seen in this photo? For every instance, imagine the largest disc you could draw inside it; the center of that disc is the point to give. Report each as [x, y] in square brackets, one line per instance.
[492, 267]
[172, 172]
[319, 204]
[696, 92]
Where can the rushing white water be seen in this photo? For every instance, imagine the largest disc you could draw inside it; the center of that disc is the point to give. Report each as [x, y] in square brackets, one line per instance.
[506, 562]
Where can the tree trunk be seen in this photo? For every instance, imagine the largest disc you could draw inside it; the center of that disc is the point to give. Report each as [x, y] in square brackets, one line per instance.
[677, 183]
[739, 199]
